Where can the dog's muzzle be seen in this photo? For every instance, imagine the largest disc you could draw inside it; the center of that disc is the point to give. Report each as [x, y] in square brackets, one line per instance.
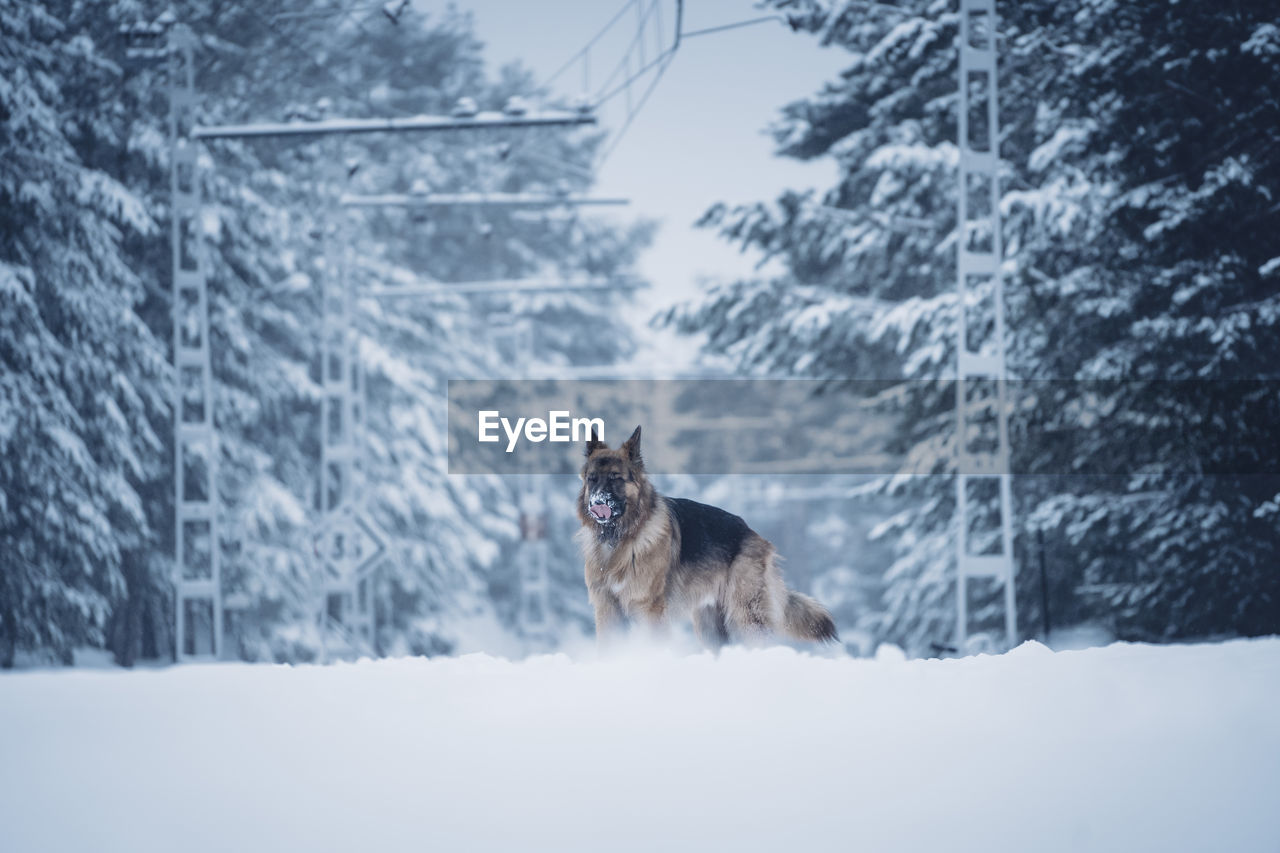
[603, 507]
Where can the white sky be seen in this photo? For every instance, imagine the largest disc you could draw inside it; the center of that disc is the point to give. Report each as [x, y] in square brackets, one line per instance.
[700, 137]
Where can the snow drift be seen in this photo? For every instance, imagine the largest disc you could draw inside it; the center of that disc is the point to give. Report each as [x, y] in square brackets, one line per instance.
[1122, 748]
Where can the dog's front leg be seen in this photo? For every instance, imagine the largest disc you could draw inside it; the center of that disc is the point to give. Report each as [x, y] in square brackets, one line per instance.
[653, 616]
[610, 620]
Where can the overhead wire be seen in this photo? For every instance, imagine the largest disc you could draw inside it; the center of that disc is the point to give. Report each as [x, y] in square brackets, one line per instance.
[723, 27]
[625, 61]
[621, 87]
[657, 30]
[641, 18]
[324, 69]
[583, 51]
[631, 116]
[662, 61]
[524, 146]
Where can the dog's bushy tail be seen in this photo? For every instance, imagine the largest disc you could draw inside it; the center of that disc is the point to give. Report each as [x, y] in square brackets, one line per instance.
[806, 619]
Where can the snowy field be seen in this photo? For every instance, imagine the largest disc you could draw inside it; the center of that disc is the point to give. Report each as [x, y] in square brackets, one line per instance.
[1123, 748]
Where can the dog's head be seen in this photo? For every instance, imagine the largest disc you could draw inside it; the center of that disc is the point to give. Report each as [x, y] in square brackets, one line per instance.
[614, 486]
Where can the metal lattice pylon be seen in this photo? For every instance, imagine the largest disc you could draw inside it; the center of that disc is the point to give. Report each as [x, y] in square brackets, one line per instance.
[979, 254]
[534, 616]
[198, 583]
[347, 545]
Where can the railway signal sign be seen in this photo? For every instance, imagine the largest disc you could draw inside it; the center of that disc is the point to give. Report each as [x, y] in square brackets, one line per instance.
[348, 543]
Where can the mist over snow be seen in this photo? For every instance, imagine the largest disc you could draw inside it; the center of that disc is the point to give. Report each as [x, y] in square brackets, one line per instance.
[1127, 747]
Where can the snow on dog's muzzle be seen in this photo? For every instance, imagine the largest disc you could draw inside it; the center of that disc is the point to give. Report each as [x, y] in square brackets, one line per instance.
[603, 507]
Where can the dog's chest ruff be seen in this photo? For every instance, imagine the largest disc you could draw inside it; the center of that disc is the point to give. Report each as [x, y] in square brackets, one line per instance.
[625, 569]
[618, 566]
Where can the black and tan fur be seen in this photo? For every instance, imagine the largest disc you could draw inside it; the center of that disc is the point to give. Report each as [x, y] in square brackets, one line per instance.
[650, 559]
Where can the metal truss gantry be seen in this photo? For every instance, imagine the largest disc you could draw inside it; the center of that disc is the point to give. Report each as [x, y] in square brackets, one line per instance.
[200, 603]
[980, 373]
[533, 613]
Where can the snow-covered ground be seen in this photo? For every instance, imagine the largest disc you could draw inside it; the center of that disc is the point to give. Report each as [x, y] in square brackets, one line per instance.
[1123, 748]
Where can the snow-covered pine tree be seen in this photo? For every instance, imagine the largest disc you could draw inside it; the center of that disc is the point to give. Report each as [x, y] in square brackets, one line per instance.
[1159, 112]
[87, 488]
[1131, 135]
[82, 380]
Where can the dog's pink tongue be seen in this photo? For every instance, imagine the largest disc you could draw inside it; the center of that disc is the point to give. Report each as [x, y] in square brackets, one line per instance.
[601, 510]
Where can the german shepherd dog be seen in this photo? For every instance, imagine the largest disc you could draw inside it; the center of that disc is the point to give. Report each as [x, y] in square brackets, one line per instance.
[650, 558]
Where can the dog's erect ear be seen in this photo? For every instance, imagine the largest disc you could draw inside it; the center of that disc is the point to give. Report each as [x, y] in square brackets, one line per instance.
[632, 448]
[594, 443]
